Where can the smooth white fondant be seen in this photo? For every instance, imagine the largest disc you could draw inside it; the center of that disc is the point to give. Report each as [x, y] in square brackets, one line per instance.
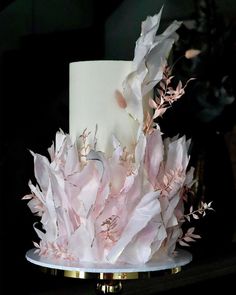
[182, 258]
[93, 86]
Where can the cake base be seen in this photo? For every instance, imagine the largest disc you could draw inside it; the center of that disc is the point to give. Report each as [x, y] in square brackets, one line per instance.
[110, 275]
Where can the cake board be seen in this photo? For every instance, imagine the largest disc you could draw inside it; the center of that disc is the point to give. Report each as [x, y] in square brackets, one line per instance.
[110, 276]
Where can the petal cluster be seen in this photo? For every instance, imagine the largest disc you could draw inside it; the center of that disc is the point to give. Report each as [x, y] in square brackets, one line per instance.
[126, 208]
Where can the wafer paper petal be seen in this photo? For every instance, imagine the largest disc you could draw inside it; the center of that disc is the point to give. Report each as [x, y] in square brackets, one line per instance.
[80, 244]
[41, 171]
[148, 207]
[151, 53]
[139, 250]
[154, 155]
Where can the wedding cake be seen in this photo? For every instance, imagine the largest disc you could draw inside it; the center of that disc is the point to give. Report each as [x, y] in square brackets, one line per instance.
[113, 190]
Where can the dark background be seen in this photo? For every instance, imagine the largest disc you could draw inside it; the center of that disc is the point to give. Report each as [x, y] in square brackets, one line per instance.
[38, 40]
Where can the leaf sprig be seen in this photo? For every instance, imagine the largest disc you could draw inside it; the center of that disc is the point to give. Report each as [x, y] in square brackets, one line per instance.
[189, 236]
[164, 96]
[201, 211]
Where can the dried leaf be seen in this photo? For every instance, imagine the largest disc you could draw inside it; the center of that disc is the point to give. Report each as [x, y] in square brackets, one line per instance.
[196, 236]
[191, 53]
[187, 217]
[195, 216]
[190, 230]
[182, 243]
[188, 239]
[162, 85]
[152, 103]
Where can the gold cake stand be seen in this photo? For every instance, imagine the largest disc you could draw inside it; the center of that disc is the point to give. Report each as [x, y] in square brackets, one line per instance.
[110, 276]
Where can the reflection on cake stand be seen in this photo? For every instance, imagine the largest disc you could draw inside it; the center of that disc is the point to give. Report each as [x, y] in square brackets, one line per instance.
[110, 276]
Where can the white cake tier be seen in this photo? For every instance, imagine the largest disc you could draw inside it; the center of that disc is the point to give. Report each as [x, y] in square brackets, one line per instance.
[93, 101]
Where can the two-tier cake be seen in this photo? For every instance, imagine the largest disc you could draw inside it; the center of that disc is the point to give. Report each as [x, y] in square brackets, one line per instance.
[113, 190]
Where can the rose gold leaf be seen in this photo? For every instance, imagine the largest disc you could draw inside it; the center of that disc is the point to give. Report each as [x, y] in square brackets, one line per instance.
[159, 112]
[156, 114]
[179, 86]
[160, 92]
[152, 103]
[28, 197]
[191, 53]
[209, 204]
[188, 218]
[162, 85]
[183, 244]
[188, 239]
[196, 236]
[190, 230]
[210, 209]
[36, 244]
[165, 180]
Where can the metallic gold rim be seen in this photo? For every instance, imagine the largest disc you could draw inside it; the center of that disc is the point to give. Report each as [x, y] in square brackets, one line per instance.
[109, 276]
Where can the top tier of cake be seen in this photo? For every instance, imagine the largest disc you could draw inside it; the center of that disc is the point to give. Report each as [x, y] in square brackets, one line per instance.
[94, 90]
